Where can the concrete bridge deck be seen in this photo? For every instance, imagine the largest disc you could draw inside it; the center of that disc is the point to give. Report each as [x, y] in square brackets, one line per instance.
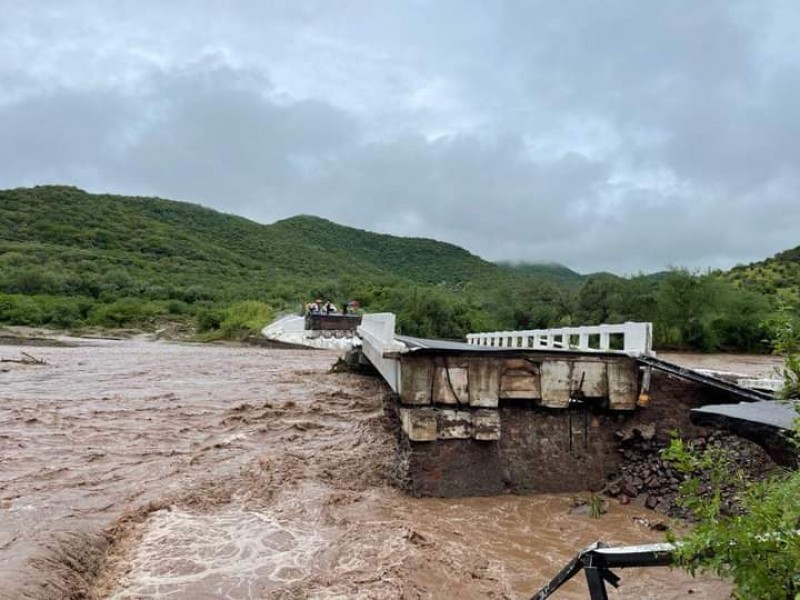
[385, 350]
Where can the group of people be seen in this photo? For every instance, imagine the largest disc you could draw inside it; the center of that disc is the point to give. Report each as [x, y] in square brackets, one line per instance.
[328, 308]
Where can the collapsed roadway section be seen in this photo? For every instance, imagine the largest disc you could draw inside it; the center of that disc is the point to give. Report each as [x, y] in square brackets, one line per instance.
[528, 411]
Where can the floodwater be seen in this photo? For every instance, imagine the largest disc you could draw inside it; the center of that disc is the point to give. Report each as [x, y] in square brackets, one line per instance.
[746, 365]
[135, 469]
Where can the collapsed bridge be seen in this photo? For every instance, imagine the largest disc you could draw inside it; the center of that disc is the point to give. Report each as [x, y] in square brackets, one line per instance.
[533, 411]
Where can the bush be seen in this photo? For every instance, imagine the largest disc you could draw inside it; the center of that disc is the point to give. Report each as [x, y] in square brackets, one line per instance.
[758, 547]
[124, 312]
[37, 311]
[209, 319]
[235, 322]
[16, 309]
[178, 307]
[33, 280]
[786, 343]
[65, 312]
[197, 293]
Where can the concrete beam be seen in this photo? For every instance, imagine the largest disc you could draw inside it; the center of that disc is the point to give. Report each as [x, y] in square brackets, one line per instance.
[419, 424]
[486, 425]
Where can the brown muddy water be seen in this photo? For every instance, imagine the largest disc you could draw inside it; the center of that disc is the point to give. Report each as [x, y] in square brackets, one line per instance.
[133, 469]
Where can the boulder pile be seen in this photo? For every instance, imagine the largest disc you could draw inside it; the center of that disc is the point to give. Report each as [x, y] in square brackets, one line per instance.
[646, 479]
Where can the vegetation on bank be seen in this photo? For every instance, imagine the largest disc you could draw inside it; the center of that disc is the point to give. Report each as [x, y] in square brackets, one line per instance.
[71, 259]
[757, 545]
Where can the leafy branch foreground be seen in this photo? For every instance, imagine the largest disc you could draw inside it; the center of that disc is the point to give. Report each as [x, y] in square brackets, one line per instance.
[758, 546]
[786, 343]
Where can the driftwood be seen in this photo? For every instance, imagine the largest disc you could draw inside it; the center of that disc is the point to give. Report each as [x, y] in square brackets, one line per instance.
[27, 359]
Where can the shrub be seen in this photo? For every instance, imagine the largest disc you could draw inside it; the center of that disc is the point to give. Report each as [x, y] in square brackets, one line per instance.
[235, 322]
[124, 312]
[245, 318]
[209, 319]
[178, 307]
[18, 309]
[758, 547]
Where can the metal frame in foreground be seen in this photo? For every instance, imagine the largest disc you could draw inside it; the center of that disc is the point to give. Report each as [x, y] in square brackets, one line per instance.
[597, 561]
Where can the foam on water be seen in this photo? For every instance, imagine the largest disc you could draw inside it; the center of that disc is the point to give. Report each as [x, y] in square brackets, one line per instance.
[233, 553]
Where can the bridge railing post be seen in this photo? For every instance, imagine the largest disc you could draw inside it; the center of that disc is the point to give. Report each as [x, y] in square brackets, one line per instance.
[605, 337]
[638, 337]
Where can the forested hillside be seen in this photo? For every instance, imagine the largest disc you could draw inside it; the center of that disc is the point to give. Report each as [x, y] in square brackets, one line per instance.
[71, 259]
[181, 244]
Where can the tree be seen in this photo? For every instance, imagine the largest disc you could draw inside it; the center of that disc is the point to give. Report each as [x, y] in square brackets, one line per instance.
[599, 300]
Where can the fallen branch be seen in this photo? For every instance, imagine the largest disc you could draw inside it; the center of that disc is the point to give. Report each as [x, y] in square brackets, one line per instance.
[27, 359]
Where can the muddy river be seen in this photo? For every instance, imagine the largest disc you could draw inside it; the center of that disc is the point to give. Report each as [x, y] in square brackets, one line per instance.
[135, 469]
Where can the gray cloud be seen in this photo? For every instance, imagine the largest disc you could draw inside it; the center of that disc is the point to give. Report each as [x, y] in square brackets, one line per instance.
[620, 136]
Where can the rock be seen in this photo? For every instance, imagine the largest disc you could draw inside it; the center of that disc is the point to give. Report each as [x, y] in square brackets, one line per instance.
[623, 499]
[652, 502]
[628, 489]
[581, 510]
[648, 431]
[651, 524]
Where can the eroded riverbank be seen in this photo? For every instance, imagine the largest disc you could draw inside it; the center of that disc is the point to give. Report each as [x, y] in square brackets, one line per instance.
[245, 472]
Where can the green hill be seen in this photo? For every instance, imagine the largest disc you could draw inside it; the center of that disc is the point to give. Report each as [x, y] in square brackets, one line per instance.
[781, 273]
[60, 242]
[73, 233]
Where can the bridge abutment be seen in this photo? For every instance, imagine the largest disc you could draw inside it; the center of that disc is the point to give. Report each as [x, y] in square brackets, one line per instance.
[517, 421]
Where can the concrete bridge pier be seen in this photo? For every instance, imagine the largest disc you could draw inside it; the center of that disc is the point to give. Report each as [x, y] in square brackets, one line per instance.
[476, 425]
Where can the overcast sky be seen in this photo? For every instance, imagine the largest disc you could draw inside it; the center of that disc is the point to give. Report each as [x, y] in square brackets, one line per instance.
[619, 135]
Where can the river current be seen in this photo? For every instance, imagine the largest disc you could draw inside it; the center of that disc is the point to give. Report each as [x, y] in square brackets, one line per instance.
[139, 469]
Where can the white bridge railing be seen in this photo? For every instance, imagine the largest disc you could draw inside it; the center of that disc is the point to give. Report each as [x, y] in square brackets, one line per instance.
[632, 338]
[377, 338]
